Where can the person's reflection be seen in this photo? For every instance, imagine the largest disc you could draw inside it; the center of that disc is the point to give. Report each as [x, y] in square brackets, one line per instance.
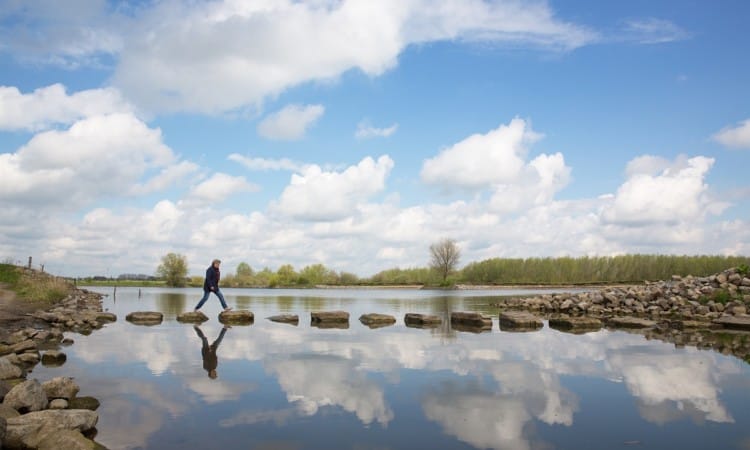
[210, 360]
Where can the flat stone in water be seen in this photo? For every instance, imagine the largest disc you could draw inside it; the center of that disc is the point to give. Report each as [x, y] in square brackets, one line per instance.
[89, 403]
[192, 317]
[239, 317]
[53, 358]
[734, 322]
[470, 319]
[329, 317]
[630, 322]
[145, 317]
[106, 317]
[421, 320]
[377, 320]
[292, 319]
[576, 325]
[519, 321]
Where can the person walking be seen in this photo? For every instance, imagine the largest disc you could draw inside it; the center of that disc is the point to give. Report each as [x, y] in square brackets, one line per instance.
[211, 284]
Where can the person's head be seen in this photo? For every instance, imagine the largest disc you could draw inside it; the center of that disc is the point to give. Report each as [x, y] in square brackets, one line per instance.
[216, 263]
[212, 374]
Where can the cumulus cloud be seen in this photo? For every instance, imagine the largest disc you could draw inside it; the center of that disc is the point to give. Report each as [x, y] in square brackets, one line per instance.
[203, 56]
[267, 163]
[315, 194]
[735, 137]
[96, 156]
[290, 123]
[677, 194]
[366, 131]
[217, 188]
[52, 105]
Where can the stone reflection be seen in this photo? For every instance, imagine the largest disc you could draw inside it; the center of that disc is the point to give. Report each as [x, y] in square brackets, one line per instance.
[314, 381]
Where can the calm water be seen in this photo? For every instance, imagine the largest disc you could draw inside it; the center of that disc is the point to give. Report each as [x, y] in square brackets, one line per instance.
[281, 386]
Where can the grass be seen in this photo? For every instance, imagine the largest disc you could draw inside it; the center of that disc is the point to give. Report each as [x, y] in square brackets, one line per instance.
[34, 286]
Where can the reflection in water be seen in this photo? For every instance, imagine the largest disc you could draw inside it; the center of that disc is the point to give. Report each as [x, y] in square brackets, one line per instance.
[171, 303]
[208, 352]
[397, 384]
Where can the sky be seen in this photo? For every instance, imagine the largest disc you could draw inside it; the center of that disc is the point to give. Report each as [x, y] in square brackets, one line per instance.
[354, 133]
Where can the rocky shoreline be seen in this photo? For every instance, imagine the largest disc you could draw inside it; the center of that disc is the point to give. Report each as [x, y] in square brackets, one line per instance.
[48, 415]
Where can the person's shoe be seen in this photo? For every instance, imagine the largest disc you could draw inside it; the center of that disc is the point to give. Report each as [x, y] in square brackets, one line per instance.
[228, 308]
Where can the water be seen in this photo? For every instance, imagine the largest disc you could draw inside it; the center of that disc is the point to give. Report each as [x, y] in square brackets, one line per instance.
[281, 386]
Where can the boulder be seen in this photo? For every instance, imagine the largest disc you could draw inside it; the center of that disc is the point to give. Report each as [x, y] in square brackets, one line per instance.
[519, 321]
[29, 359]
[421, 320]
[5, 387]
[733, 322]
[53, 358]
[145, 318]
[192, 317]
[29, 430]
[67, 440]
[329, 317]
[239, 317]
[24, 346]
[377, 320]
[292, 319]
[89, 403]
[471, 319]
[60, 387]
[27, 396]
[6, 412]
[58, 403]
[575, 324]
[9, 370]
[630, 322]
[105, 317]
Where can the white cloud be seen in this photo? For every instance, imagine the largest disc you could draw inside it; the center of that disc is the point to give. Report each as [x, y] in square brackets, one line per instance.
[95, 157]
[267, 164]
[167, 177]
[217, 188]
[367, 131]
[318, 195]
[290, 123]
[735, 137]
[204, 57]
[653, 31]
[677, 194]
[52, 105]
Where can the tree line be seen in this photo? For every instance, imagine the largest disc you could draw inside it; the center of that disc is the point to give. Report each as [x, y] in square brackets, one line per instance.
[443, 271]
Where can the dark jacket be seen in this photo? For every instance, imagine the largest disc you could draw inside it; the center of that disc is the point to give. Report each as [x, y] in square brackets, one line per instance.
[212, 279]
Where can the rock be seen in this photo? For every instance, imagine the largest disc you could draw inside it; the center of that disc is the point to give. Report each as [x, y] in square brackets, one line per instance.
[5, 387]
[106, 317]
[60, 387]
[329, 317]
[27, 396]
[630, 322]
[519, 321]
[6, 412]
[377, 320]
[29, 430]
[239, 317]
[421, 320]
[575, 324]
[23, 346]
[58, 403]
[471, 319]
[29, 358]
[67, 440]
[192, 317]
[89, 403]
[292, 319]
[145, 318]
[53, 358]
[67, 341]
[3, 427]
[734, 322]
[739, 310]
[9, 370]
[689, 324]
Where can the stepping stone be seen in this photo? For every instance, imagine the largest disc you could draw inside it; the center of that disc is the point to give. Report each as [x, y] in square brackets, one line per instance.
[519, 321]
[630, 322]
[422, 320]
[53, 358]
[239, 317]
[377, 320]
[470, 319]
[145, 318]
[329, 317]
[291, 319]
[576, 325]
[192, 317]
[734, 322]
[106, 317]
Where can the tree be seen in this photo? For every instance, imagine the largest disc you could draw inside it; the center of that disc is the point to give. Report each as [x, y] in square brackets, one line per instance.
[173, 269]
[444, 256]
[244, 270]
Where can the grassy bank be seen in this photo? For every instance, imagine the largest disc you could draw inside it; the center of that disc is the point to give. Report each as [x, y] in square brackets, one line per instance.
[30, 285]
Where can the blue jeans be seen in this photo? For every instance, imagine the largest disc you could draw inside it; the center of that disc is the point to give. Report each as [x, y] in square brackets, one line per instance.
[205, 297]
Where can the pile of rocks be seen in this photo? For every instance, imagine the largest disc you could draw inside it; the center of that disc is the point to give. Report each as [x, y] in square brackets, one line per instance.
[81, 312]
[687, 298]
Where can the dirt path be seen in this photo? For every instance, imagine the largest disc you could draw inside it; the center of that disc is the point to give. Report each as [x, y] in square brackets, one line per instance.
[14, 312]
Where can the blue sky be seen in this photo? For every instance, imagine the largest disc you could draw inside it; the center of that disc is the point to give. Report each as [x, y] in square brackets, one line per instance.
[356, 133]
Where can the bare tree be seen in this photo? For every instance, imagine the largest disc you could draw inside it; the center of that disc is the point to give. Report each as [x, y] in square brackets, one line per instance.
[444, 256]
